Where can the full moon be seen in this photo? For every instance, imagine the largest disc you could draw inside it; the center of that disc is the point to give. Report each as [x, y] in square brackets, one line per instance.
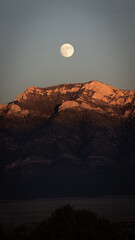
[67, 50]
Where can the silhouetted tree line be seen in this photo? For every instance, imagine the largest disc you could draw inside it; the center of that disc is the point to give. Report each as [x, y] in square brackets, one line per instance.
[67, 223]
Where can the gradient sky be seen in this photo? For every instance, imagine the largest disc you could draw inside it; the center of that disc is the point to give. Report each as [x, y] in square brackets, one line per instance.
[32, 31]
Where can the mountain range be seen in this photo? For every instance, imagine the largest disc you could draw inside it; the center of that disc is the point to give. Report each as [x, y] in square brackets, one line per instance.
[69, 140]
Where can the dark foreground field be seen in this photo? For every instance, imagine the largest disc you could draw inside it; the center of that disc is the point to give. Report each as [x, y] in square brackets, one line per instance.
[68, 223]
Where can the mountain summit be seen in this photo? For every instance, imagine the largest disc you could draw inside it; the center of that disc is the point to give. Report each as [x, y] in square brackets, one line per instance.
[68, 140]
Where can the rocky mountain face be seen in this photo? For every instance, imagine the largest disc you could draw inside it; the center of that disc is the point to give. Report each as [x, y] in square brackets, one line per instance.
[68, 140]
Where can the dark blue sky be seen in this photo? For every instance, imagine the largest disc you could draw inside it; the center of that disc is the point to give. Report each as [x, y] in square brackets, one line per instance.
[32, 31]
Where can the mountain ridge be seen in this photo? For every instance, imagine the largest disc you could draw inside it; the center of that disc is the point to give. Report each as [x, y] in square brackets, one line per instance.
[87, 95]
[68, 140]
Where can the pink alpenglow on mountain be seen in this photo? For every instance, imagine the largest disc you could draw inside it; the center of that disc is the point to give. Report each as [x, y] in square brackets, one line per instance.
[68, 140]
